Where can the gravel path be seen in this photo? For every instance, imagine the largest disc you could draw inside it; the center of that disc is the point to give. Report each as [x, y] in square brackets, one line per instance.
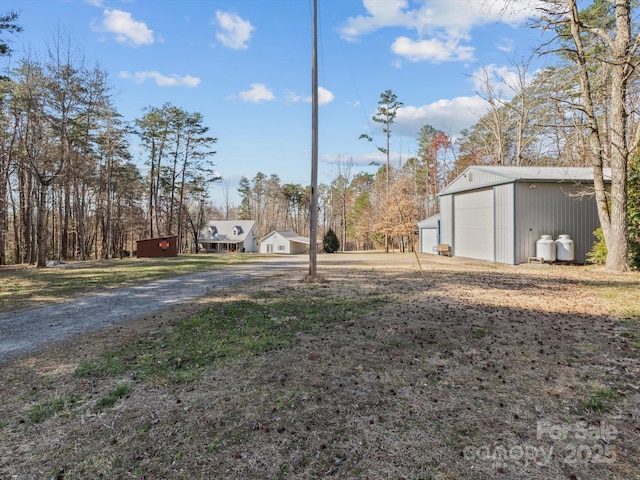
[28, 330]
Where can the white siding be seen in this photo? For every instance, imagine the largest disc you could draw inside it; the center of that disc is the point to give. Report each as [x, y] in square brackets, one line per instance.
[276, 243]
[475, 179]
[504, 215]
[446, 219]
[428, 239]
[473, 230]
[429, 233]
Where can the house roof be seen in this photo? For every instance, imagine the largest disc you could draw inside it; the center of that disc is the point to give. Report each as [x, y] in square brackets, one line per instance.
[289, 235]
[483, 176]
[226, 231]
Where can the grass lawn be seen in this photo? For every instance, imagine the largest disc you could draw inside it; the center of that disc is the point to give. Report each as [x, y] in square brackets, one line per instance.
[384, 371]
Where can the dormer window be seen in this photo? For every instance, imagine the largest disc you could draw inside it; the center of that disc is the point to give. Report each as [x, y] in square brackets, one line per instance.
[213, 230]
[237, 230]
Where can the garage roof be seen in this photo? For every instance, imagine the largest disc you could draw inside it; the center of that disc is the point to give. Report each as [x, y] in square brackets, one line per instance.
[431, 222]
[289, 235]
[477, 177]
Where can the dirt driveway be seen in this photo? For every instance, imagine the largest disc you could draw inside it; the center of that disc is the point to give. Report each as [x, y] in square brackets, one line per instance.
[27, 330]
[30, 329]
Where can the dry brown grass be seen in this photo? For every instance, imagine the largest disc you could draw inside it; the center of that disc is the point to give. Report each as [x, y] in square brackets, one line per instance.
[468, 371]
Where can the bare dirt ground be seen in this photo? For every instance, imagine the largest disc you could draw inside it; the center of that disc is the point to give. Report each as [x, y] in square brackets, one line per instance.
[467, 371]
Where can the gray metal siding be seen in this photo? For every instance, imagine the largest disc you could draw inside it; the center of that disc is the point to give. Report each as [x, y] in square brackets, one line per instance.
[504, 220]
[550, 209]
[446, 219]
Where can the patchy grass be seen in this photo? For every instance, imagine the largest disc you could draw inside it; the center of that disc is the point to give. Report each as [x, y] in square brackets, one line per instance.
[379, 372]
[41, 411]
[110, 400]
[222, 333]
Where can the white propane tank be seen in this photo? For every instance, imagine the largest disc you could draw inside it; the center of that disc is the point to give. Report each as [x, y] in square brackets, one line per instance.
[546, 248]
[564, 249]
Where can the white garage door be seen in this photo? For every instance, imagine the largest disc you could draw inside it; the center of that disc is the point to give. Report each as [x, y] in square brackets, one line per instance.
[429, 238]
[473, 225]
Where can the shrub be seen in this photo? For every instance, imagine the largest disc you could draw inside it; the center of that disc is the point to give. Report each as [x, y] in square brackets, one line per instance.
[330, 242]
[598, 253]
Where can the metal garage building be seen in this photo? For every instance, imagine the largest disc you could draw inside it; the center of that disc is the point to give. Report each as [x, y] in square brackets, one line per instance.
[498, 213]
[429, 234]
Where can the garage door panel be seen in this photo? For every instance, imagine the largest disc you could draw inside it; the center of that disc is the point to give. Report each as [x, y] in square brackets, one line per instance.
[429, 240]
[473, 225]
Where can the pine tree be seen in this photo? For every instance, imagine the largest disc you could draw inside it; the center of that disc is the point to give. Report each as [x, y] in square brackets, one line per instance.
[330, 242]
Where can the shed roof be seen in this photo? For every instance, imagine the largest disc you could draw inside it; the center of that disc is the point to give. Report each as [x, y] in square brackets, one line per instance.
[483, 176]
[289, 235]
[430, 222]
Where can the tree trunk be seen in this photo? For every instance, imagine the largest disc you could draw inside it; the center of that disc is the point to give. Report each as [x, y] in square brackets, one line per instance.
[613, 211]
[4, 214]
[618, 240]
[64, 234]
[41, 232]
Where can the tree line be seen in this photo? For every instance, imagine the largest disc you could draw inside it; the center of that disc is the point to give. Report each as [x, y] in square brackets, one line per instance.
[69, 188]
[580, 110]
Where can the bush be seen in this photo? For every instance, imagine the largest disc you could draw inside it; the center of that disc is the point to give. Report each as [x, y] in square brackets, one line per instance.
[634, 255]
[598, 253]
[330, 242]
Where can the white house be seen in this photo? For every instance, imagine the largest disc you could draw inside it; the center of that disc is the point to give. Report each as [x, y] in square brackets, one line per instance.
[228, 236]
[284, 241]
[429, 234]
[499, 213]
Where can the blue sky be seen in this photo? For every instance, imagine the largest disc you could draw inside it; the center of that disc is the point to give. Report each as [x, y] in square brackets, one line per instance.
[246, 66]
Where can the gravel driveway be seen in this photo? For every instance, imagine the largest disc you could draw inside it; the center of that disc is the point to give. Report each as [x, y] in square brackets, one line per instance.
[27, 330]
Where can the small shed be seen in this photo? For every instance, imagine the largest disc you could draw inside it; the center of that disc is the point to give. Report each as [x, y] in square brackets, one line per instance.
[158, 247]
[284, 241]
[223, 236]
[499, 213]
[429, 234]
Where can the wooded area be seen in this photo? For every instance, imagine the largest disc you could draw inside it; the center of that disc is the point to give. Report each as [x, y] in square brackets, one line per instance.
[69, 188]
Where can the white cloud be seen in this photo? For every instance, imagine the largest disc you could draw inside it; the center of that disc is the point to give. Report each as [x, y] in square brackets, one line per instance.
[505, 45]
[324, 97]
[433, 50]
[502, 80]
[234, 32]
[258, 93]
[450, 116]
[292, 97]
[125, 28]
[162, 80]
[440, 25]
[381, 13]
[431, 15]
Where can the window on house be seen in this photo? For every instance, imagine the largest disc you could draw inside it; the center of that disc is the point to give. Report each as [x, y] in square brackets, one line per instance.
[281, 248]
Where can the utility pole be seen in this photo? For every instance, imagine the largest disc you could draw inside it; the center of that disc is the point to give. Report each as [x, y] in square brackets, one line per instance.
[313, 230]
